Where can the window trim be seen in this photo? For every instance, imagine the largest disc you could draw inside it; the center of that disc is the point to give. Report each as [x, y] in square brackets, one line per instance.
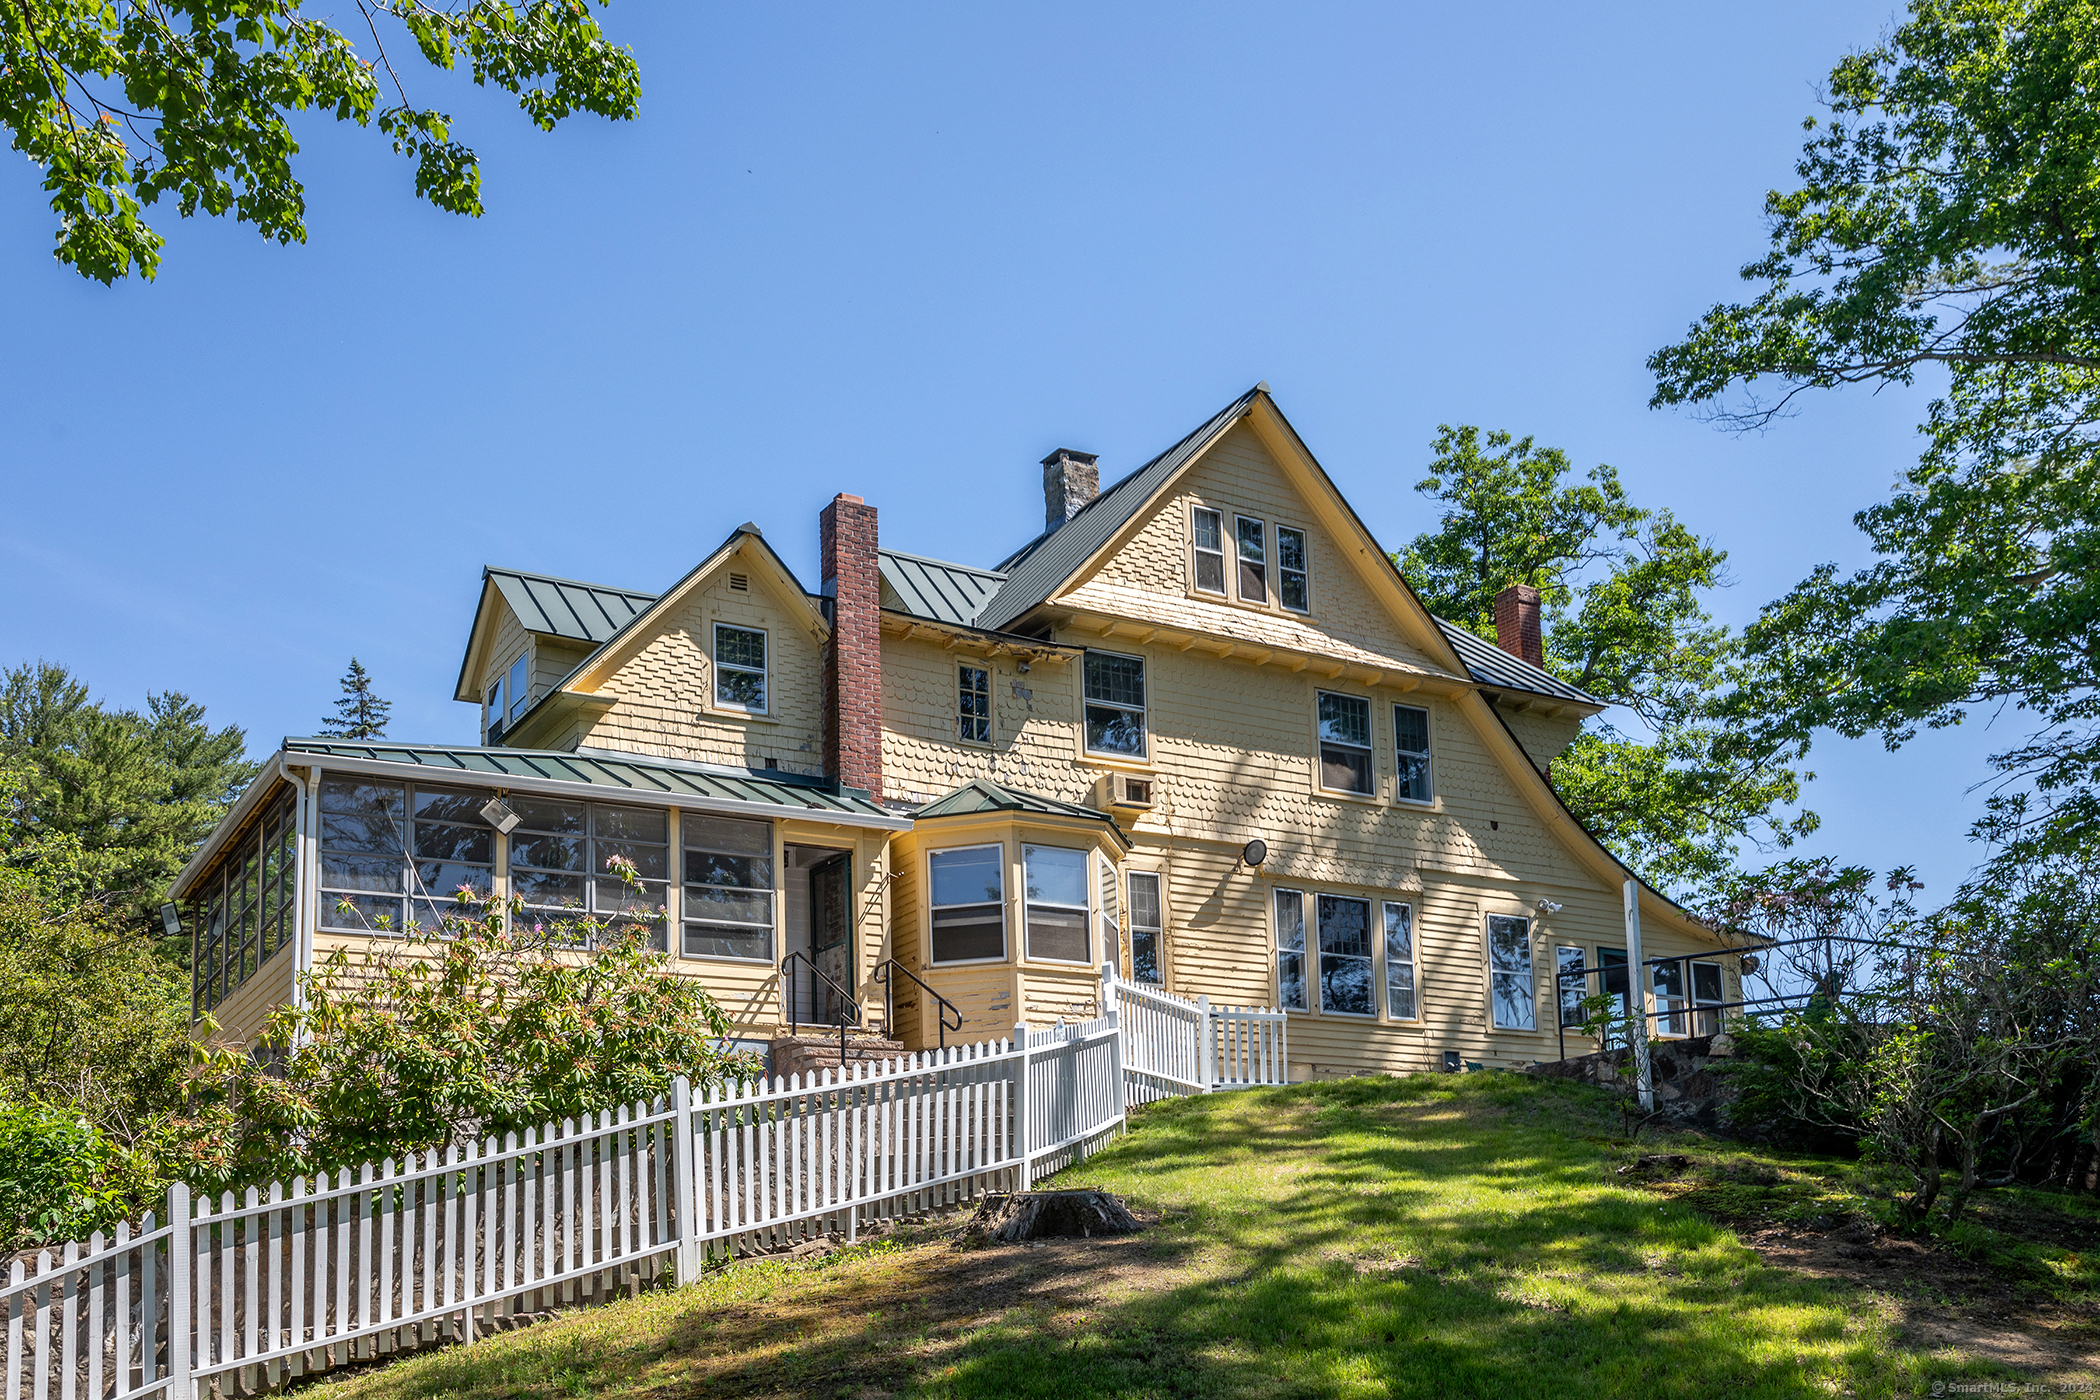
[1276, 940]
[1159, 900]
[1239, 590]
[1385, 959]
[1663, 1016]
[593, 871]
[1143, 711]
[1005, 932]
[1085, 910]
[1721, 977]
[990, 732]
[1428, 754]
[520, 668]
[1530, 962]
[1370, 749]
[1370, 956]
[715, 667]
[1197, 551]
[493, 704]
[1305, 551]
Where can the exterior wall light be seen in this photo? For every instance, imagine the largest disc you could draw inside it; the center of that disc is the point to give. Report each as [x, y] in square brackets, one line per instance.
[1255, 852]
[498, 814]
[171, 919]
[1547, 908]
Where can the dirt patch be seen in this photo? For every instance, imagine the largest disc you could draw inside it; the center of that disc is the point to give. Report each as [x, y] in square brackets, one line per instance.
[1942, 1302]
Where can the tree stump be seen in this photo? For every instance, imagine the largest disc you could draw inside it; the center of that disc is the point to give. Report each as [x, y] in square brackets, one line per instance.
[1009, 1217]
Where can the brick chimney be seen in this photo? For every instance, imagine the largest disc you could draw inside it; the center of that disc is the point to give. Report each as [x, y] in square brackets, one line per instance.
[1070, 480]
[853, 656]
[1517, 623]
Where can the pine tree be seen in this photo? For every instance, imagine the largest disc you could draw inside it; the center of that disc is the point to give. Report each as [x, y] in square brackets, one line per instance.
[360, 714]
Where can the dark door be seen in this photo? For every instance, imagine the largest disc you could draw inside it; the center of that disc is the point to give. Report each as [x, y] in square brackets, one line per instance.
[831, 929]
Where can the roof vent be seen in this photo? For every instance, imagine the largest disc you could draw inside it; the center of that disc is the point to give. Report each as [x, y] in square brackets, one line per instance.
[1070, 481]
[740, 583]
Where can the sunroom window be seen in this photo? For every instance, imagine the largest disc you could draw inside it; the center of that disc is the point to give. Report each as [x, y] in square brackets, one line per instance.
[1345, 743]
[396, 852]
[1115, 704]
[1057, 907]
[559, 867]
[968, 903]
[728, 888]
[740, 668]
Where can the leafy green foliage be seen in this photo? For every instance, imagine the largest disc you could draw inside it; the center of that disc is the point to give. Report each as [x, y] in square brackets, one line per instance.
[1621, 588]
[136, 791]
[451, 1035]
[204, 90]
[360, 713]
[1944, 218]
[59, 1178]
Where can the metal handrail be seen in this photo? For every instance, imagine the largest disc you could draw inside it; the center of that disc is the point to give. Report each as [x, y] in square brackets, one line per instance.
[844, 996]
[889, 1002]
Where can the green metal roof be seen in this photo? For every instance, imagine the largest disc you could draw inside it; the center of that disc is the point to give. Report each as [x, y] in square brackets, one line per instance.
[638, 775]
[935, 588]
[563, 607]
[982, 795]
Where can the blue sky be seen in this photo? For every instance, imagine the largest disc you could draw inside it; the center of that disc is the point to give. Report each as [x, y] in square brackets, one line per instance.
[904, 252]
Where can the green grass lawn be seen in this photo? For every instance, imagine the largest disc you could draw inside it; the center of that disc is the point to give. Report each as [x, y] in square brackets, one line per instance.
[1440, 1236]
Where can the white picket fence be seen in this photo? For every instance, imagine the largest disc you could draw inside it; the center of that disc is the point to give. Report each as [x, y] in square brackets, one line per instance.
[244, 1292]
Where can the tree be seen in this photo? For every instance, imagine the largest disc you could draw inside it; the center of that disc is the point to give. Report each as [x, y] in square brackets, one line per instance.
[120, 102]
[1621, 589]
[360, 714]
[1944, 221]
[138, 792]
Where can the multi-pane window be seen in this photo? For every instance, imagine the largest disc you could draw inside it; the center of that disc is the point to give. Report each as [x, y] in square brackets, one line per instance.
[1670, 1000]
[243, 912]
[396, 853]
[1706, 998]
[1573, 984]
[1057, 908]
[1293, 581]
[1115, 704]
[1147, 932]
[1400, 1002]
[1615, 981]
[560, 865]
[740, 668]
[728, 874]
[1290, 949]
[1510, 986]
[1252, 538]
[1346, 988]
[1411, 753]
[1209, 535]
[520, 691]
[1345, 743]
[968, 903]
[973, 704]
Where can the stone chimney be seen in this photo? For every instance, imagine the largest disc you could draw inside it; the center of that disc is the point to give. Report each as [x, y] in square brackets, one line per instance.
[1070, 480]
[853, 656]
[1517, 623]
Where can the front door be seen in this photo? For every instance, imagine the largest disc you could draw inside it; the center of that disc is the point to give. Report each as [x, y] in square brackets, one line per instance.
[831, 930]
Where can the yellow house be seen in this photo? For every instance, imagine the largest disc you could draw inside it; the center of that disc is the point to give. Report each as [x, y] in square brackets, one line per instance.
[1199, 728]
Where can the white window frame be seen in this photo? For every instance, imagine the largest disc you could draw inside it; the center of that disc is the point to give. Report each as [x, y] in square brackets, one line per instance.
[1305, 553]
[961, 690]
[1673, 1014]
[1563, 989]
[765, 673]
[772, 892]
[1369, 956]
[1428, 757]
[1005, 934]
[1413, 959]
[1284, 950]
[1083, 909]
[1141, 710]
[1239, 582]
[1530, 974]
[1158, 931]
[1369, 748]
[1699, 1015]
[1197, 552]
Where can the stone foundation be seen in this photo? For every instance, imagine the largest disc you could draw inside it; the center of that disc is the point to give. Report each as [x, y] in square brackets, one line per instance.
[1687, 1088]
[799, 1054]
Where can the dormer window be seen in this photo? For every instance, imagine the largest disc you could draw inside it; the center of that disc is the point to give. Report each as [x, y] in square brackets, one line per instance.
[1209, 534]
[520, 691]
[1252, 538]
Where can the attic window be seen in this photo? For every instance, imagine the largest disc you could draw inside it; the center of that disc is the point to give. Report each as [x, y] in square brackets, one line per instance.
[740, 583]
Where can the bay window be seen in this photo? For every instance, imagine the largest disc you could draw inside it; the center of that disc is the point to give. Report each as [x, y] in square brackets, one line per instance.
[968, 904]
[1055, 879]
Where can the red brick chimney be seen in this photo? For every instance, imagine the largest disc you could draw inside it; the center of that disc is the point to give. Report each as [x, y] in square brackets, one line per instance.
[1517, 623]
[853, 657]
